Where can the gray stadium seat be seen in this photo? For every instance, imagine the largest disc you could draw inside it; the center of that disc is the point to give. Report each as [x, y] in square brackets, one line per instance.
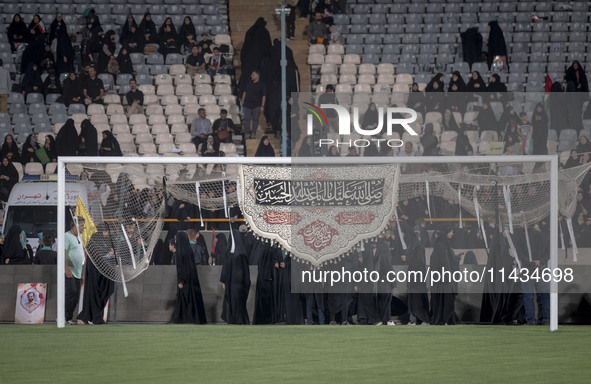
[76, 108]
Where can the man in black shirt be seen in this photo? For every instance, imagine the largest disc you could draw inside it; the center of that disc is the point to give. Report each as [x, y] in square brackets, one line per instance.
[135, 99]
[94, 90]
[253, 103]
[195, 62]
[223, 127]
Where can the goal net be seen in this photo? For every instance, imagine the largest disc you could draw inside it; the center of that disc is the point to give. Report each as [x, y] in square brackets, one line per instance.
[302, 203]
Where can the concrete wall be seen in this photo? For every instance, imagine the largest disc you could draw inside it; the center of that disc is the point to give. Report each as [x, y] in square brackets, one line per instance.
[152, 295]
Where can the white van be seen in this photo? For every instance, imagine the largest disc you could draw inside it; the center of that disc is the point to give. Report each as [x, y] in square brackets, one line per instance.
[33, 206]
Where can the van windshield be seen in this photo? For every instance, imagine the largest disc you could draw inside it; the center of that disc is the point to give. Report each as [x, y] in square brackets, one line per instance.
[32, 219]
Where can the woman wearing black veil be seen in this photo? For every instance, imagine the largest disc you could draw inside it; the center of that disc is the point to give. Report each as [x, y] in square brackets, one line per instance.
[185, 30]
[88, 139]
[97, 288]
[106, 52]
[17, 32]
[64, 52]
[8, 178]
[443, 294]
[189, 306]
[434, 93]
[265, 149]
[10, 149]
[67, 141]
[539, 123]
[235, 278]
[16, 250]
[148, 32]
[414, 257]
[109, 145]
[29, 147]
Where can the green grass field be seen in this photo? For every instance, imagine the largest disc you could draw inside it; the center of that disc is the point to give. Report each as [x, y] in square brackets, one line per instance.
[126, 353]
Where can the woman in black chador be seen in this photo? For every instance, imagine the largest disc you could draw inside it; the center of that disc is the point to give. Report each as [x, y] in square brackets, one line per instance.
[443, 294]
[262, 256]
[189, 306]
[235, 278]
[414, 256]
[97, 288]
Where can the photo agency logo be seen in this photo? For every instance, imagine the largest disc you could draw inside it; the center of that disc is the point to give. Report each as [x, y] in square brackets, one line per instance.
[393, 116]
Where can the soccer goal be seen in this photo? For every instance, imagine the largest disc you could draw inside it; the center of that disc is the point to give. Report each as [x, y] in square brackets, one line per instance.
[318, 209]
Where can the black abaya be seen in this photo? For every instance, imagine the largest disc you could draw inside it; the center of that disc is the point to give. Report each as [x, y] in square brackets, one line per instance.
[443, 294]
[236, 279]
[262, 256]
[97, 288]
[500, 303]
[189, 306]
[418, 301]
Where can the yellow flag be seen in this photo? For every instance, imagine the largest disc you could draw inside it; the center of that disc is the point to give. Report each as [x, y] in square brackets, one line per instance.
[89, 227]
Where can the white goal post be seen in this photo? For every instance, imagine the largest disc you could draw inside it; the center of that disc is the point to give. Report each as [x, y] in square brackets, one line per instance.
[63, 161]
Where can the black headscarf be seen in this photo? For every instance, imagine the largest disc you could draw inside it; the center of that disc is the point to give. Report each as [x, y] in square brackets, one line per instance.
[28, 156]
[305, 148]
[36, 27]
[186, 30]
[539, 122]
[64, 47]
[416, 99]
[126, 28]
[67, 141]
[88, 147]
[72, 89]
[486, 119]
[471, 84]
[497, 85]
[436, 79]
[51, 151]
[10, 148]
[571, 76]
[148, 27]
[459, 83]
[13, 178]
[110, 142]
[103, 60]
[124, 60]
[172, 28]
[32, 79]
[18, 28]
[265, 150]
[236, 277]
[14, 248]
[496, 42]
[189, 307]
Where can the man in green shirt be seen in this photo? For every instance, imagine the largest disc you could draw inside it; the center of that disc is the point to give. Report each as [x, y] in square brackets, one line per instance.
[74, 262]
